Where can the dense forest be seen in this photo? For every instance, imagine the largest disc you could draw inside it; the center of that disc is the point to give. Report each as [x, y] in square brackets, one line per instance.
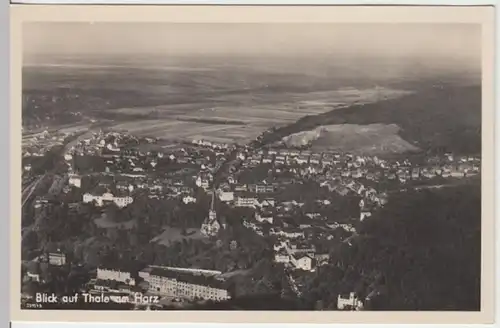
[420, 252]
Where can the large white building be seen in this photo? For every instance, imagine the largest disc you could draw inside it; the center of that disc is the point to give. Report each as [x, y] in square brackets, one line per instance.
[107, 197]
[117, 275]
[186, 286]
[350, 302]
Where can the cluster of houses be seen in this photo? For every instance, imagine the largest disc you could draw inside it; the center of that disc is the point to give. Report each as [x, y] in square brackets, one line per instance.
[308, 163]
[298, 254]
[39, 144]
[211, 144]
[289, 157]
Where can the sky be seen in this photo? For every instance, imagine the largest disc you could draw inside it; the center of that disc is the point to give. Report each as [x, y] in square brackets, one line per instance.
[457, 41]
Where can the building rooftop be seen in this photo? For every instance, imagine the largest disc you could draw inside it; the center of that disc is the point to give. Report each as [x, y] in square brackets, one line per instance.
[189, 278]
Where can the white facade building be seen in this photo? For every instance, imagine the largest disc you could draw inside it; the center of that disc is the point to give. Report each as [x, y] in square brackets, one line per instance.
[264, 218]
[111, 274]
[225, 196]
[75, 180]
[302, 263]
[351, 302]
[57, 259]
[245, 202]
[168, 283]
[107, 197]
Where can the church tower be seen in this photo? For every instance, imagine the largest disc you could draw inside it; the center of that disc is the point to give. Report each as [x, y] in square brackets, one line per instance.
[211, 226]
[212, 215]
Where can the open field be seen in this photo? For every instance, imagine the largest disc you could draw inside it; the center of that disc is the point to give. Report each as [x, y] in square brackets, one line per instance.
[361, 139]
[235, 99]
[218, 99]
[171, 235]
[240, 123]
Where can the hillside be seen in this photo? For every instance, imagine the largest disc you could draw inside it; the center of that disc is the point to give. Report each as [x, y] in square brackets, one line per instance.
[420, 252]
[371, 139]
[433, 119]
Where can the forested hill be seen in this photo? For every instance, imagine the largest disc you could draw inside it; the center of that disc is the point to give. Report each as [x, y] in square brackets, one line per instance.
[427, 247]
[422, 251]
[436, 119]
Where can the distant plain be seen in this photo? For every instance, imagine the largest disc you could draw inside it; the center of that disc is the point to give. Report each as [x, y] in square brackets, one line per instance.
[225, 101]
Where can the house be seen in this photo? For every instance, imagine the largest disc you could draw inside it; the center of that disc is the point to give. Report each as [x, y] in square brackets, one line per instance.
[292, 233]
[267, 159]
[57, 259]
[109, 273]
[202, 183]
[272, 152]
[313, 216]
[261, 188]
[279, 159]
[225, 196]
[349, 302]
[326, 162]
[300, 249]
[268, 202]
[281, 258]
[241, 156]
[188, 199]
[302, 160]
[280, 245]
[255, 159]
[364, 215]
[322, 259]
[245, 201]
[264, 217]
[302, 263]
[75, 181]
[357, 174]
[33, 276]
[241, 188]
[315, 160]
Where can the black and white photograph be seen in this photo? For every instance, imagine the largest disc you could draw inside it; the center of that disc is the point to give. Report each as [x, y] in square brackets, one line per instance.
[251, 166]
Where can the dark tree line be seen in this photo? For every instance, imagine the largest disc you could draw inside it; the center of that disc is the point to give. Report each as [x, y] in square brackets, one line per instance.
[420, 252]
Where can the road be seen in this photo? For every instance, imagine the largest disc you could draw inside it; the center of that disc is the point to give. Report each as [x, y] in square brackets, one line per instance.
[292, 284]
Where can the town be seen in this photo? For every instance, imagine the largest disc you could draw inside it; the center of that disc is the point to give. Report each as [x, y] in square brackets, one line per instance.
[299, 203]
